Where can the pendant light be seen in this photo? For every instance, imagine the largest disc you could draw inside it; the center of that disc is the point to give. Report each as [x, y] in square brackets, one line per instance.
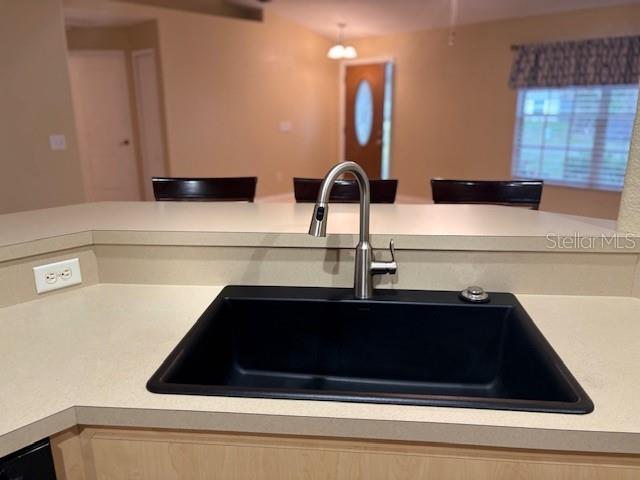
[340, 51]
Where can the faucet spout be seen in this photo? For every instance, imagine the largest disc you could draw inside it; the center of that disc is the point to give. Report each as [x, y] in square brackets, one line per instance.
[320, 211]
[365, 265]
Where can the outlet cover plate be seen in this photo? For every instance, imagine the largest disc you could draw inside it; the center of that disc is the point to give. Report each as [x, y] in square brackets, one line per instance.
[53, 276]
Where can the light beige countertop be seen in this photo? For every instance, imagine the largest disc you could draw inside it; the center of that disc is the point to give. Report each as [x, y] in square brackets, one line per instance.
[84, 356]
[446, 227]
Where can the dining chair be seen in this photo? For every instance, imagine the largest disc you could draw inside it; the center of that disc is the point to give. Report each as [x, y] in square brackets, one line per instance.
[516, 193]
[219, 189]
[344, 191]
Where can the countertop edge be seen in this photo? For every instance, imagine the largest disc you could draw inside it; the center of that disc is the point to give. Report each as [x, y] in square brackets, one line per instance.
[440, 227]
[472, 243]
[37, 430]
[410, 431]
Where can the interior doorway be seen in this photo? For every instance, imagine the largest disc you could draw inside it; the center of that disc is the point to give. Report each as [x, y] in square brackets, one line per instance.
[145, 74]
[366, 109]
[102, 108]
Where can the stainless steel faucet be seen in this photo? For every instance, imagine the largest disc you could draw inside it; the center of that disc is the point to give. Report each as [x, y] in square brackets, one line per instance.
[366, 266]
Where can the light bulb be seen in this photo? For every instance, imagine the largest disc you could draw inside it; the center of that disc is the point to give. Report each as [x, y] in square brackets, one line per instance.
[350, 52]
[336, 52]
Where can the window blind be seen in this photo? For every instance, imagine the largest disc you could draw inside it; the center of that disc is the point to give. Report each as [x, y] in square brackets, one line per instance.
[574, 136]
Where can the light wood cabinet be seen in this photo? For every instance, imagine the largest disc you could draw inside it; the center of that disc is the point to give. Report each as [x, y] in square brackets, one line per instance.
[118, 454]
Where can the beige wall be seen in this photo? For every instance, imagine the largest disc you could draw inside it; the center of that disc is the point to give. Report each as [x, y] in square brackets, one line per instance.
[35, 101]
[227, 85]
[454, 114]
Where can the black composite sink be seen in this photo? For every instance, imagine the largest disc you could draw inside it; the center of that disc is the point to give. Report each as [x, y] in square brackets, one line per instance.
[402, 347]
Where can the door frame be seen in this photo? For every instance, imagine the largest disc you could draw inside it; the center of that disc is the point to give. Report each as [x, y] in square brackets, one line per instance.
[140, 112]
[87, 177]
[343, 94]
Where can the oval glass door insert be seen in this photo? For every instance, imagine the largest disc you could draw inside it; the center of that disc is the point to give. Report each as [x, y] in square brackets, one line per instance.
[363, 112]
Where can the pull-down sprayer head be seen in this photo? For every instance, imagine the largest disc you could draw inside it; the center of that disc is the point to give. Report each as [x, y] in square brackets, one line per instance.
[318, 227]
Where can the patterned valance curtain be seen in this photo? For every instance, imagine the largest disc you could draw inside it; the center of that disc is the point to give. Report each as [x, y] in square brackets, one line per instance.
[603, 61]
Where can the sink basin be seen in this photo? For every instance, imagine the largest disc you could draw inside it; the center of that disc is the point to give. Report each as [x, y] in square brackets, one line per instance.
[400, 347]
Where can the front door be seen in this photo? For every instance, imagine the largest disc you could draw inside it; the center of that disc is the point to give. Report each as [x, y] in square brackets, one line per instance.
[365, 92]
[102, 110]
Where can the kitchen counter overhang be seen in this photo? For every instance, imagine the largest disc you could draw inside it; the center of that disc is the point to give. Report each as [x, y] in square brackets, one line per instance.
[417, 227]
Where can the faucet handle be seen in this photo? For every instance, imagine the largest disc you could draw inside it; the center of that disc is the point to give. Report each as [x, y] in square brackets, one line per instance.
[380, 268]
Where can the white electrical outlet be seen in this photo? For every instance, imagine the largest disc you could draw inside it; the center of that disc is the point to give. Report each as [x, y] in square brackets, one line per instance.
[57, 275]
[285, 126]
[57, 141]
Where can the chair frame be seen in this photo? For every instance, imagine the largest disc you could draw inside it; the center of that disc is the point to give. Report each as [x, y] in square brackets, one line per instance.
[205, 189]
[344, 191]
[514, 193]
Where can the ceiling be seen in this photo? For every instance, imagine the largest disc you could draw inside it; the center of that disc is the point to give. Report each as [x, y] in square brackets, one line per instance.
[76, 17]
[379, 17]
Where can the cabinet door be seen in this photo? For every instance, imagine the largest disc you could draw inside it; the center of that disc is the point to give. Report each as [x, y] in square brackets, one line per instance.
[166, 455]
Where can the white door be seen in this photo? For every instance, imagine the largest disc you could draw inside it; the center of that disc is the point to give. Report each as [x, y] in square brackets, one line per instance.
[149, 118]
[103, 120]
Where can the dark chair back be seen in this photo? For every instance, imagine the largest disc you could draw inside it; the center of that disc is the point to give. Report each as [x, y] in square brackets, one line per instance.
[221, 189]
[344, 191]
[516, 193]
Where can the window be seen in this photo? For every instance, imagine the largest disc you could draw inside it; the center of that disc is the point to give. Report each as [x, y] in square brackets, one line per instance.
[575, 136]
[363, 113]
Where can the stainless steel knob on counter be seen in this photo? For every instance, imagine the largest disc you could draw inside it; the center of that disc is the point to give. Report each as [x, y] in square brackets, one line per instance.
[474, 294]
